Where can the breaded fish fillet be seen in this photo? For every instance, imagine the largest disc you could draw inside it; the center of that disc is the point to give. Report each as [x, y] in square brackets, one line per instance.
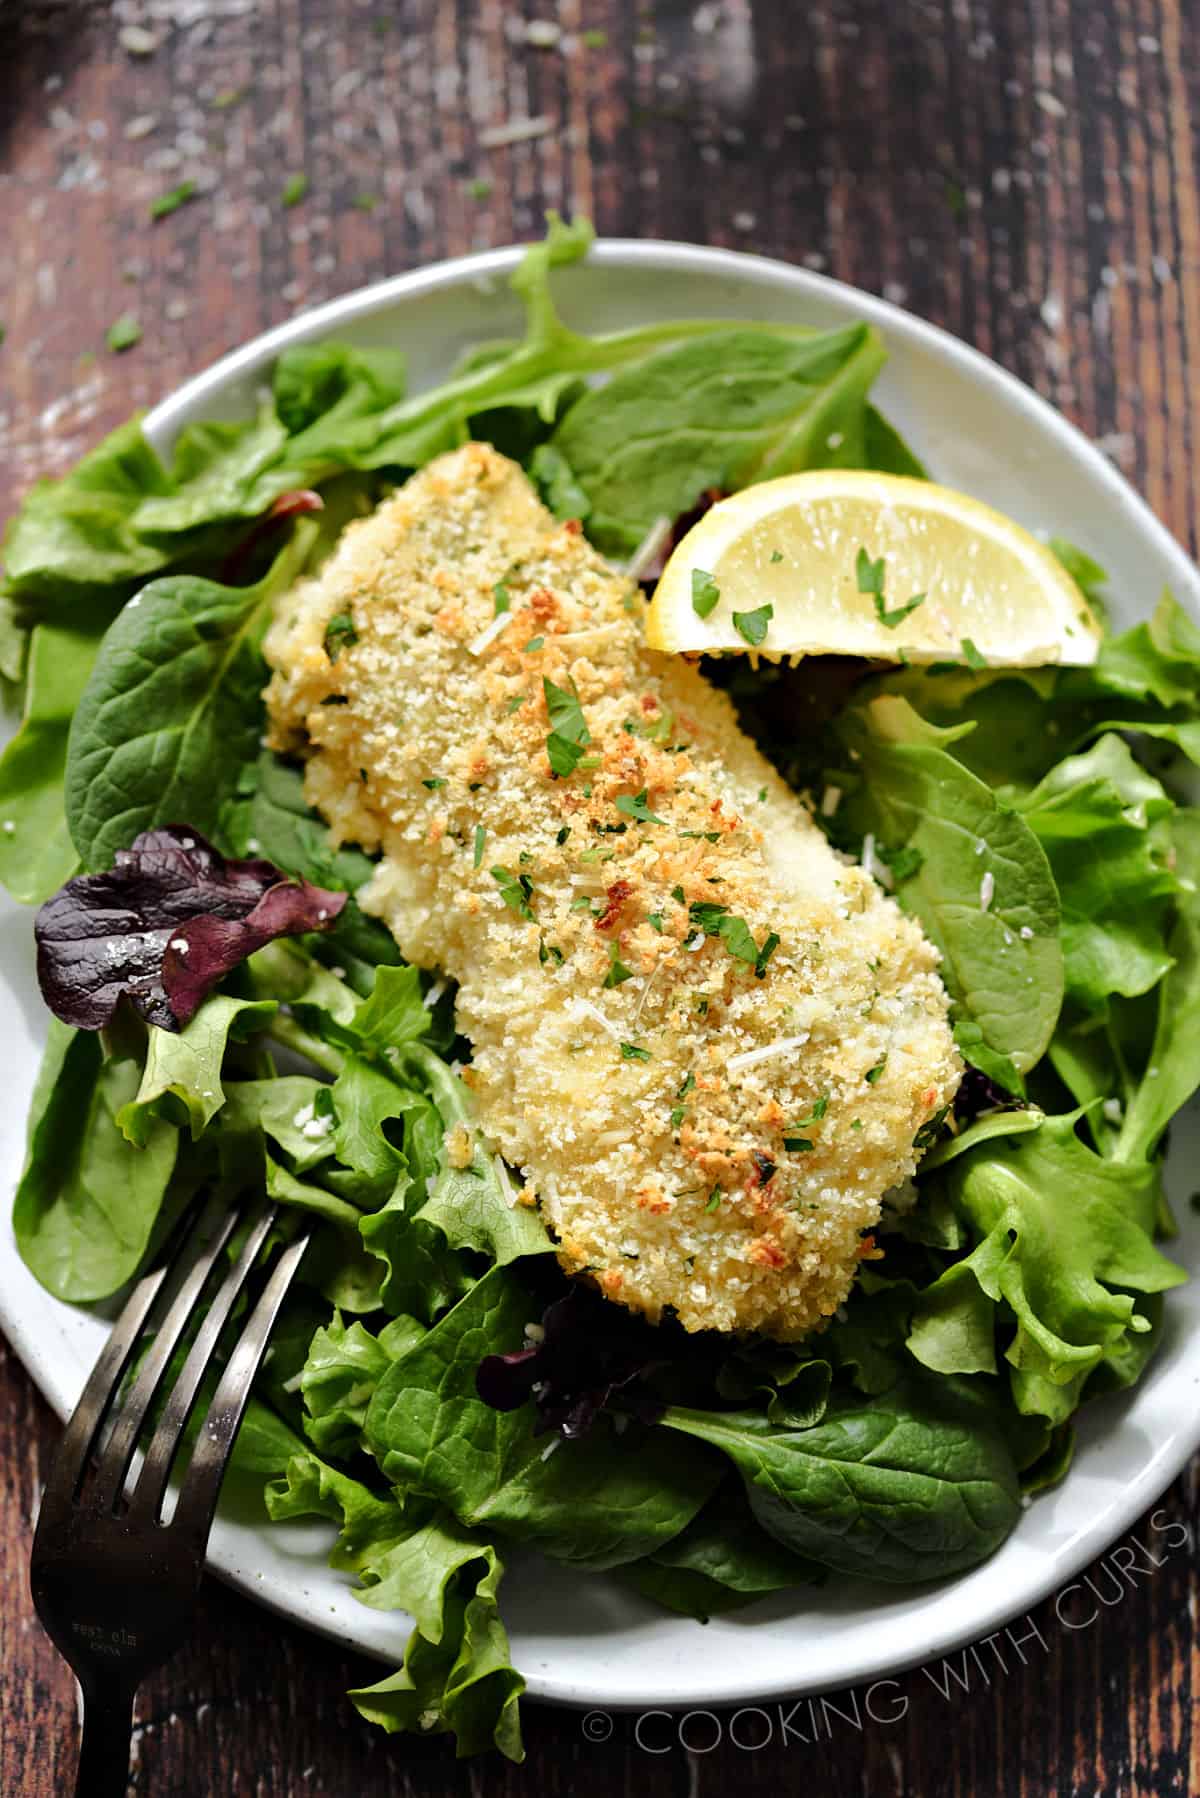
[705, 1039]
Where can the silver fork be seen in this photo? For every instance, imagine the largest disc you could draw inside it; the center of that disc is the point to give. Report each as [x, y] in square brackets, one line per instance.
[113, 1581]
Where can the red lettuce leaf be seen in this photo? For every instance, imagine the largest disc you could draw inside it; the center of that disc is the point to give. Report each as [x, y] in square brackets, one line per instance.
[168, 920]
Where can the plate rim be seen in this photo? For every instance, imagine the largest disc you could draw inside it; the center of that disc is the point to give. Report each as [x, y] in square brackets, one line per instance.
[162, 423]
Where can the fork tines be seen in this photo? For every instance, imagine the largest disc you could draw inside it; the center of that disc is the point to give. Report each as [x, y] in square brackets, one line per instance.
[110, 1420]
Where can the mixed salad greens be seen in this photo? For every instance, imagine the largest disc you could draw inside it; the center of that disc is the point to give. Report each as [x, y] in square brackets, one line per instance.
[436, 1386]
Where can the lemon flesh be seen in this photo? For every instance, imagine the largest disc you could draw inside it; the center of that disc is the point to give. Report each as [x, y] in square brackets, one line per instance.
[991, 590]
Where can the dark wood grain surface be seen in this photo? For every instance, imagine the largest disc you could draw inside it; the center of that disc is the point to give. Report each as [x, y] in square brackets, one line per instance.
[1023, 172]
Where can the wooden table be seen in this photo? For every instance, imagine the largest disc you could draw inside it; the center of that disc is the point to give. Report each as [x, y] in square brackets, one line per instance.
[1022, 171]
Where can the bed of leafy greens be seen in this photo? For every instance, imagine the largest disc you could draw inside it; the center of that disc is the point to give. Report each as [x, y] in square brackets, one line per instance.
[407, 1396]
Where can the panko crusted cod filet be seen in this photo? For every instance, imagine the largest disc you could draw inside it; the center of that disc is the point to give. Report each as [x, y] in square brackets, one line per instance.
[706, 1040]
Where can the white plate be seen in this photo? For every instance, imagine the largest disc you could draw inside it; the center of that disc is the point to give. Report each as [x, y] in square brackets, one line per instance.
[585, 1641]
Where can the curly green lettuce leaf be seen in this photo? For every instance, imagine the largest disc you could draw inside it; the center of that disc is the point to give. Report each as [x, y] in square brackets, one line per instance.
[344, 1365]
[181, 1077]
[1096, 816]
[1172, 1069]
[1064, 1238]
[457, 1677]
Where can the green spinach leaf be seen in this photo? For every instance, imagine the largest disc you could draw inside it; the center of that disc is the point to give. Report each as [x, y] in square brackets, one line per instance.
[915, 1484]
[87, 1199]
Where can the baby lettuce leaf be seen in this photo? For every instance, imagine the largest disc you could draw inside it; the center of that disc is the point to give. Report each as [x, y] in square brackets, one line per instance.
[1172, 1071]
[181, 1078]
[457, 1676]
[1095, 816]
[1156, 662]
[87, 1198]
[730, 408]
[1001, 960]
[720, 1562]
[273, 1107]
[914, 1484]
[332, 382]
[171, 712]
[582, 1501]
[1063, 1237]
[36, 851]
[474, 1206]
[345, 1363]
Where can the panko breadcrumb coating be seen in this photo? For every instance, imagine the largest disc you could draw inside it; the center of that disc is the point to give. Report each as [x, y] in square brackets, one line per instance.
[705, 1039]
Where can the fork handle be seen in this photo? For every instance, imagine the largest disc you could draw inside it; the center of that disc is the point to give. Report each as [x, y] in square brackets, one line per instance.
[104, 1750]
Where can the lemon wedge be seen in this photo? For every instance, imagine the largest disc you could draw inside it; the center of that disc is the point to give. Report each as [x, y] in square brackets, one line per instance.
[845, 562]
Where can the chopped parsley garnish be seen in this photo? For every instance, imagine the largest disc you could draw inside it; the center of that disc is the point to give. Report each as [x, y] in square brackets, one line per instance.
[714, 1199]
[515, 702]
[765, 953]
[433, 785]
[339, 634]
[974, 659]
[502, 597]
[777, 555]
[294, 190]
[753, 625]
[637, 808]
[707, 914]
[583, 903]
[549, 952]
[710, 836]
[677, 1116]
[705, 593]
[618, 973]
[715, 920]
[738, 938]
[568, 727]
[655, 921]
[762, 795]
[677, 893]
[631, 1052]
[534, 644]
[516, 890]
[172, 200]
[927, 1135]
[873, 1074]
[688, 1086]
[561, 836]
[857, 1124]
[123, 333]
[480, 840]
[799, 1145]
[820, 1107]
[870, 575]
